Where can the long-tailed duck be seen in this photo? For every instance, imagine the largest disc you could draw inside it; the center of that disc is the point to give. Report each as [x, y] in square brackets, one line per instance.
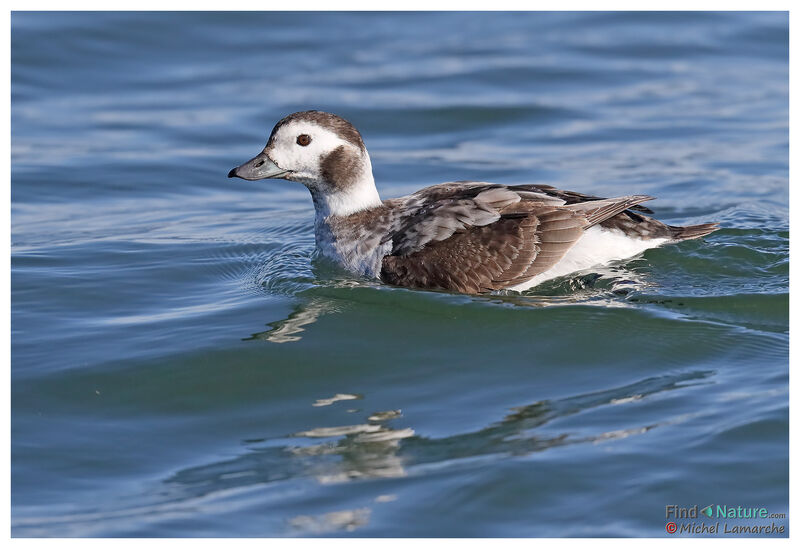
[464, 236]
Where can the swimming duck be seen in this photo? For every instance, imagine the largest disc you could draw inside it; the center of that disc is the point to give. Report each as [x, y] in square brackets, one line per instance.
[466, 236]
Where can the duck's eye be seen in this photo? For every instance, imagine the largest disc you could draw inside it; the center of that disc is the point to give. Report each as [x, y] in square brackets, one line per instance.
[303, 139]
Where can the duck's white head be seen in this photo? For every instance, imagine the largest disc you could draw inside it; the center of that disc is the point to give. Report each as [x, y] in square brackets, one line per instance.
[325, 153]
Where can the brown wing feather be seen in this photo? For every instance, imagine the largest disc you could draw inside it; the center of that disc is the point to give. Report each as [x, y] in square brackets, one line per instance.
[572, 197]
[558, 232]
[471, 261]
[527, 239]
[600, 210]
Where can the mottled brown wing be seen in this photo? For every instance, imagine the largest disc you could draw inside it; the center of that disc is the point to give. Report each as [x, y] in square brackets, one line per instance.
[427, 220]
[526, 240]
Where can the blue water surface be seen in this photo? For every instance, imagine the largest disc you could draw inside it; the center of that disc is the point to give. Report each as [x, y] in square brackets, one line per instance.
[182, 366]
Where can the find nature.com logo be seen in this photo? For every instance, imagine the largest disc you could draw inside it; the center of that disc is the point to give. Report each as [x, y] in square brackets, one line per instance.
[722, 512]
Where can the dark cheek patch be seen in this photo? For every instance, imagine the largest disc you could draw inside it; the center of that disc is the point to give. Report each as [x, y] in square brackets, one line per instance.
[341, 167]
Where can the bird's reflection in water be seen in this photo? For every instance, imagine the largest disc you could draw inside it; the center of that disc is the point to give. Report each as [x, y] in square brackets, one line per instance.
[305, 313]
[348, 520]
[605, 286]
[373, 449]
[369, 449]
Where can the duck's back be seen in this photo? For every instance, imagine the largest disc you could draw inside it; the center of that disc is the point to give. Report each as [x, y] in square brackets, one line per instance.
[477, 237]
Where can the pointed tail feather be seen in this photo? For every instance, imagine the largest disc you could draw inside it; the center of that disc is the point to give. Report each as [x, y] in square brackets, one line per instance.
[597, 211]
[692, 231]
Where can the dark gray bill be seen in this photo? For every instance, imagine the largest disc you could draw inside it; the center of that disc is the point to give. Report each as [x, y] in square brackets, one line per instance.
[260, 167]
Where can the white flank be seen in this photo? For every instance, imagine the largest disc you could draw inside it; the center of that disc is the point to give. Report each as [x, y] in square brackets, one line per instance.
[597, 246]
